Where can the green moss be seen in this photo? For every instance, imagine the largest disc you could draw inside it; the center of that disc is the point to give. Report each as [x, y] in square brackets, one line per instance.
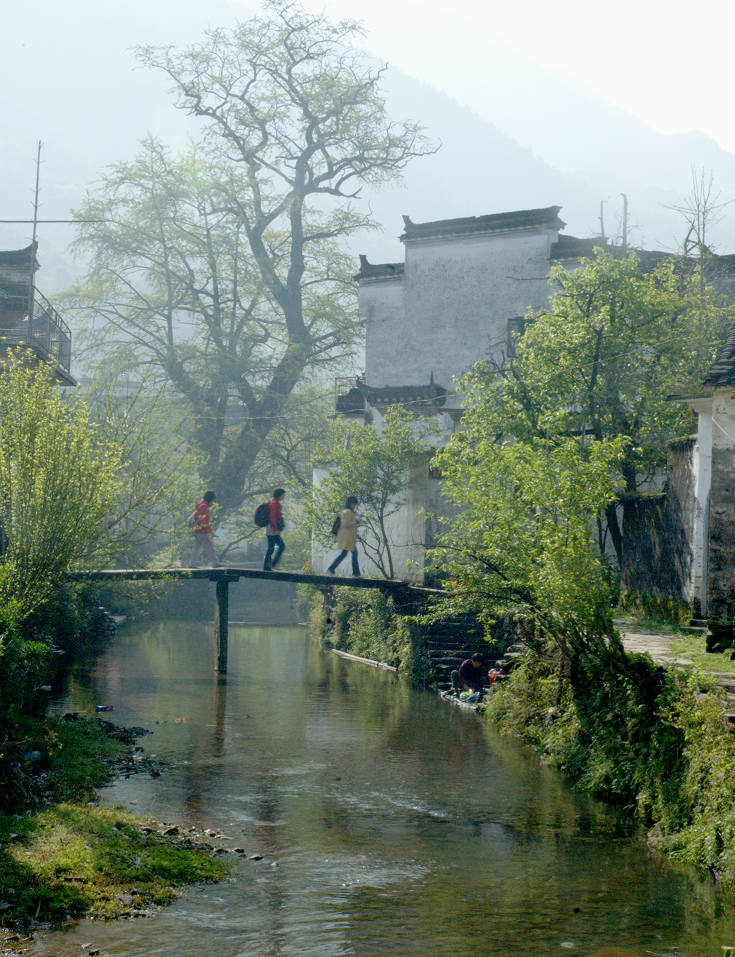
[60, 855]
[75, 859]
[365, 623]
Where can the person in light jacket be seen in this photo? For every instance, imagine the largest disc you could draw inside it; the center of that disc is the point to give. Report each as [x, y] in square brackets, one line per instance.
[347, 536]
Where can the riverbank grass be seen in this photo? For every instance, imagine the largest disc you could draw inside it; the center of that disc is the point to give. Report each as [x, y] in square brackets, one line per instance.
[62, 856]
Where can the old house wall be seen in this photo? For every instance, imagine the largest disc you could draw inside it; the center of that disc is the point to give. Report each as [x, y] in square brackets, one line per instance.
[721, 539]
[382, 310]
[453, 305]
[659, 529]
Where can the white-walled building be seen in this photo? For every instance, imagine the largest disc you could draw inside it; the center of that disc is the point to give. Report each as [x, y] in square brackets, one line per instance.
[459, 296]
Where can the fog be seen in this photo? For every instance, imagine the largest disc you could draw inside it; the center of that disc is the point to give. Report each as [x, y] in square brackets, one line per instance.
[542, 139]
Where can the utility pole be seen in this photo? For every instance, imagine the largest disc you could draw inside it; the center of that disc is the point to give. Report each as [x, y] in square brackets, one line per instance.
[625, 222]
[602, 221]
[32, 277]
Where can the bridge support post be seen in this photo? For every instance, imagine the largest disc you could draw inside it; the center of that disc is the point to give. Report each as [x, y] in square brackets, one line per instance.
[221, 624]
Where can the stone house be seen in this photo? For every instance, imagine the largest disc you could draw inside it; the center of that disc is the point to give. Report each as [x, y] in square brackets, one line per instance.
[687, 535]
[459, 296]
[27, 319]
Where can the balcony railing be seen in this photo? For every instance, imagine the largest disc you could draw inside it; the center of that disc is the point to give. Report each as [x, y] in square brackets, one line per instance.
[47, 335]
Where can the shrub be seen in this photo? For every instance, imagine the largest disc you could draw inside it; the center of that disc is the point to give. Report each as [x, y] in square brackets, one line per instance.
[365, 623]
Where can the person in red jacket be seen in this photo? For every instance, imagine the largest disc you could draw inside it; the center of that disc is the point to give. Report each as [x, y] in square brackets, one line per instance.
[200, 521]
[273, 530]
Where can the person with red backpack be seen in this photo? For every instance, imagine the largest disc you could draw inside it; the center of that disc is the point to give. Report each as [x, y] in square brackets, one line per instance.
[200, 521]
[273, 531]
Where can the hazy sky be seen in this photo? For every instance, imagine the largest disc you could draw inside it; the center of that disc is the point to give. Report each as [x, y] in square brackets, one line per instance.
[70, 79]
[668, 62]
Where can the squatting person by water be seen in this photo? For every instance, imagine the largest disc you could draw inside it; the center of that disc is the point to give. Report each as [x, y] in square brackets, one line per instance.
[200, 521]
[347, 536]
[470, 676]
[273, 531]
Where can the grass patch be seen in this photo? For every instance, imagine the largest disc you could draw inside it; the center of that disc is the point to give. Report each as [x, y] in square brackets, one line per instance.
[692, 647]
[73, 859]
[61, 856]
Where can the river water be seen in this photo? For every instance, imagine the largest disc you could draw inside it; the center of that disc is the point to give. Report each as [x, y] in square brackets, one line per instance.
[389, 822]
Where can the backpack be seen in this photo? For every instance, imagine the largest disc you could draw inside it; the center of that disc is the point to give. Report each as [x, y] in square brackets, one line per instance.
[335, 525]
[261, 515]
[192, 519]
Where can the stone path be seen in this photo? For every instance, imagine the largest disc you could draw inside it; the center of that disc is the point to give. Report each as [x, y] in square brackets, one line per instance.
[661, 648]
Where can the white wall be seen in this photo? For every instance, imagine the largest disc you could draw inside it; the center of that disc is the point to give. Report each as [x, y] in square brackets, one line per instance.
[702, 468]
[453, 304]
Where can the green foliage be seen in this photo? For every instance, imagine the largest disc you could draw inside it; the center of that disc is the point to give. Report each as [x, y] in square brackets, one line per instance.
[59, 480]
[617, 339]
[708, 837]
[365, 623]
[531, 703]
[520, 542]
[159, 465]
[639, 736]
[374, 464]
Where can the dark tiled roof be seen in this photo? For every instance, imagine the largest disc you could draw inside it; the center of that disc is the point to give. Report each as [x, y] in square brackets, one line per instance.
[414, 396]
[723, 369]
[19, 257]
[572, 247]
[518, 219]
[379, 270]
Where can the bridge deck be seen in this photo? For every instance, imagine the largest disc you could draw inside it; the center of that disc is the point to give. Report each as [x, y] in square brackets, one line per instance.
[233, 574]
[225, 576]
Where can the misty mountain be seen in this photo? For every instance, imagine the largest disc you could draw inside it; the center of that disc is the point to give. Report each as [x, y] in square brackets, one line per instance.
[550, 141]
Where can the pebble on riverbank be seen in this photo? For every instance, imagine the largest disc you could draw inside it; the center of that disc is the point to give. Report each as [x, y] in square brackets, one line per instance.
[76, 858]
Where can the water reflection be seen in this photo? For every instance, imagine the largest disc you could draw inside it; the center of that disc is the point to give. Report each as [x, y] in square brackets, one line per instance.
[388, 821]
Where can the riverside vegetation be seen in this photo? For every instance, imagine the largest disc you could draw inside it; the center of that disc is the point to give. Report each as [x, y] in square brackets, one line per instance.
[552, 445]
[60, 855]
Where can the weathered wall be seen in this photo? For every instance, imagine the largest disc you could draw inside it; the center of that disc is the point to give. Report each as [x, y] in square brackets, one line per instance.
[721, 551]
[658, 531]
[453, 305]
[381, 309]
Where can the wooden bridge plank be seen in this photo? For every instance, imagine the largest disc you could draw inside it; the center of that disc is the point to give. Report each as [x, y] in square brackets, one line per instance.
[234, 574]
[224, 576]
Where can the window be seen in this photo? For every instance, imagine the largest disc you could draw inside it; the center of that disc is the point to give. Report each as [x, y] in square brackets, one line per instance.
[516, 328]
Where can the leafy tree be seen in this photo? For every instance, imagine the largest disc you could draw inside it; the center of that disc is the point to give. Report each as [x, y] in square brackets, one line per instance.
[158, 475]
[375, 464]
[617, 340]
[59, 481]
[224, 269]
[521, 542]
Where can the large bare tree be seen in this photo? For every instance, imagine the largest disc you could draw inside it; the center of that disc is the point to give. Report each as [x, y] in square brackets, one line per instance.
[224, 268]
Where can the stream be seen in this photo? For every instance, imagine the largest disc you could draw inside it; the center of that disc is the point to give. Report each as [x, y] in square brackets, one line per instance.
[389, 821]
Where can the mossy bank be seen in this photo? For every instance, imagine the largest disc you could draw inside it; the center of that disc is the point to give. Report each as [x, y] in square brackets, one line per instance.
[63, 855]
[653, 740]
[365, 623]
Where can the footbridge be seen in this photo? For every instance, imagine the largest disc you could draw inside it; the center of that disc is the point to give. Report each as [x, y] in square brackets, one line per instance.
[407, 594]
